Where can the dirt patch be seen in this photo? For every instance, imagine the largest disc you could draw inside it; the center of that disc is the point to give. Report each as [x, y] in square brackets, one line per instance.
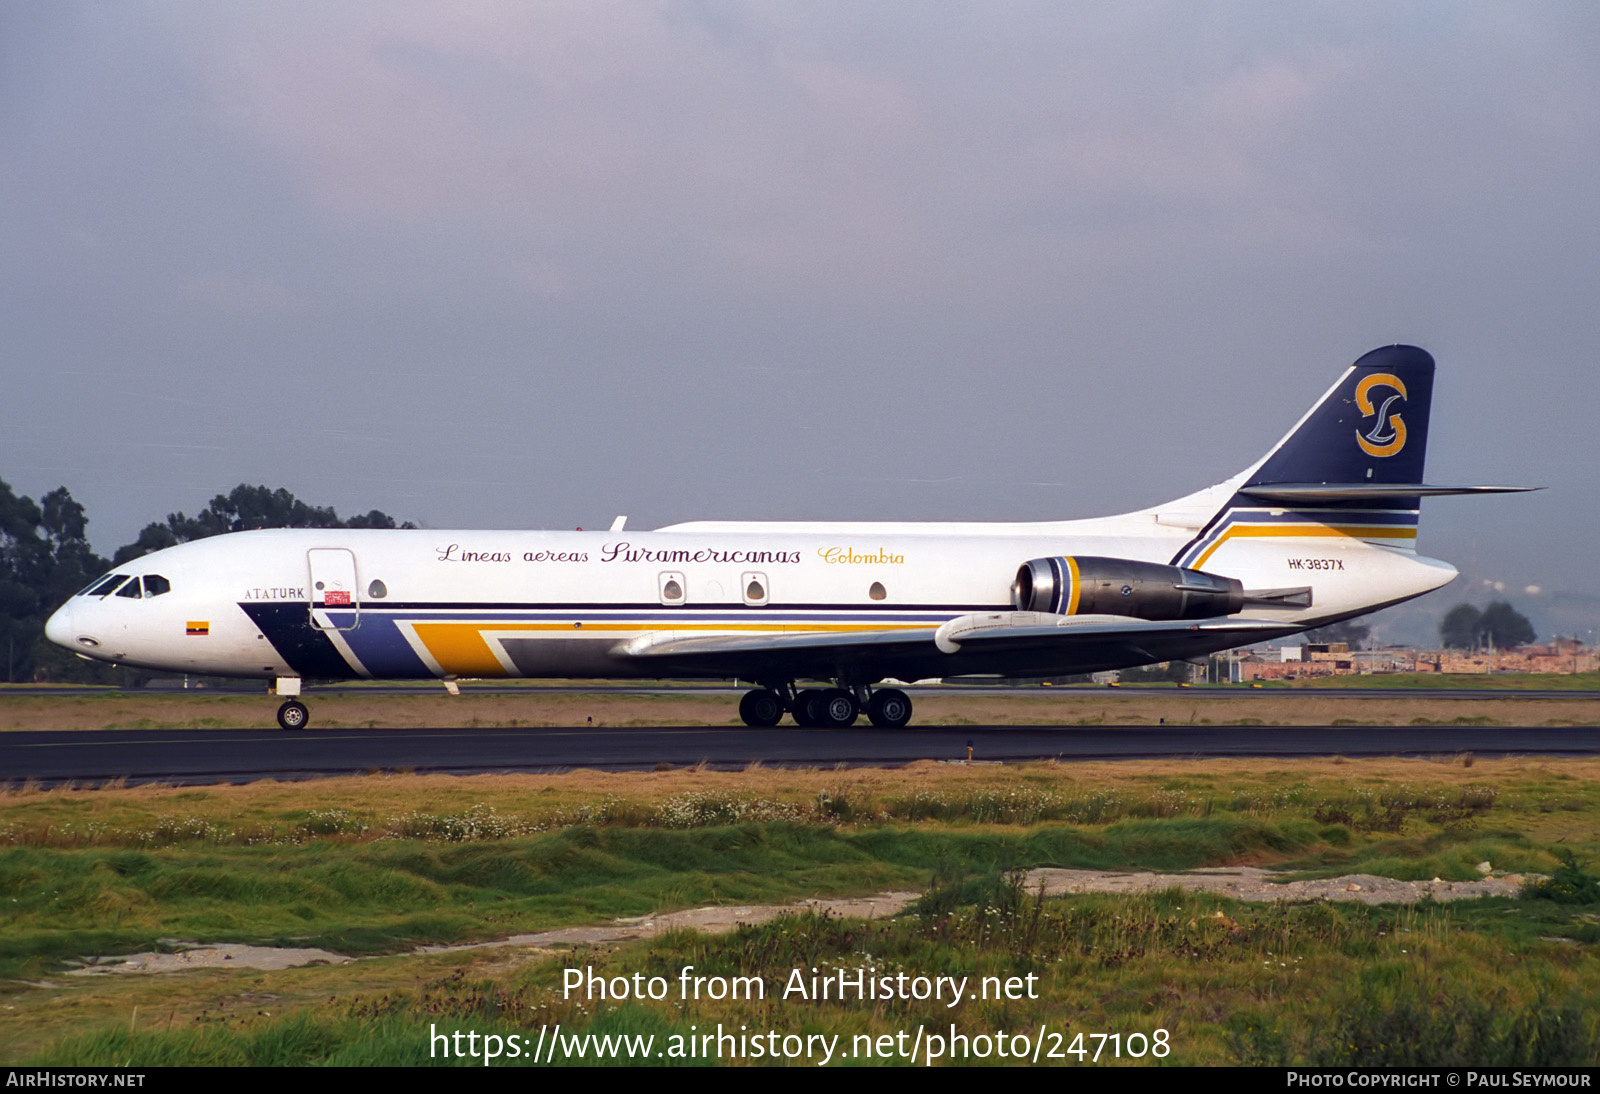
[1239, 883]
[1255, 884]
[193, 955]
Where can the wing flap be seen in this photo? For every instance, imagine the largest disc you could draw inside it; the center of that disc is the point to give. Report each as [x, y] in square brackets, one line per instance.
[666, 644]
[1014, 630]
[1037, 642]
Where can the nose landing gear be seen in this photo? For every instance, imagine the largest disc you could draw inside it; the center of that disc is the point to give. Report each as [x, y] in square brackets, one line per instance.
[293, 715]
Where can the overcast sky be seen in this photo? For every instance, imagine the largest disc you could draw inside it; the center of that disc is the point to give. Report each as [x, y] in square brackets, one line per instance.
[491, 264]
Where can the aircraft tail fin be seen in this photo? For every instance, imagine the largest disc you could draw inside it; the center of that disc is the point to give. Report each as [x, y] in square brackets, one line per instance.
[1352, 466]
[1370, 429]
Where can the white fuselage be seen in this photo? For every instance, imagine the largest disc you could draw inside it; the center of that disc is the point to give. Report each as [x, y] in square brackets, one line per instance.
[1321, 528]
[409, 604]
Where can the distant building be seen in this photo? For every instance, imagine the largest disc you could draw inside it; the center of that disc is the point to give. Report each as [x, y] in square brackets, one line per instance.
[1563, 656]
[1297, 662]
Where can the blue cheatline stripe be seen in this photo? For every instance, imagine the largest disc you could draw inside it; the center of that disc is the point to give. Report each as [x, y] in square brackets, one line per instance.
[1396, 518]
[382, 649]
[732, 611]
[665, 616]
[307, 650]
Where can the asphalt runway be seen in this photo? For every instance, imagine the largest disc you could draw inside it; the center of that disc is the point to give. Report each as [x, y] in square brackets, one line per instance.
[198, 757]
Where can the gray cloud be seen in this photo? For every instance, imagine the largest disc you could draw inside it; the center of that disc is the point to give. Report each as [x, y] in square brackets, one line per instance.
[532, 265]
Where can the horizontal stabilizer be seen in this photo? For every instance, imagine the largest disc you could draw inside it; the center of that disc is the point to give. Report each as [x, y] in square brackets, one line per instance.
[1298, 492]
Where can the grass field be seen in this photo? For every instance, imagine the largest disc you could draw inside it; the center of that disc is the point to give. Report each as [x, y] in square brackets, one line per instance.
[377, 866]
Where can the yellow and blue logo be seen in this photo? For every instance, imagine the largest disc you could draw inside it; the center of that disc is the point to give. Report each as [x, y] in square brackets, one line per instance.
[1388, 433]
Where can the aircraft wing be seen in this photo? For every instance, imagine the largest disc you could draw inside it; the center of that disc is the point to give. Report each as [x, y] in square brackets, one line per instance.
[1011, 643]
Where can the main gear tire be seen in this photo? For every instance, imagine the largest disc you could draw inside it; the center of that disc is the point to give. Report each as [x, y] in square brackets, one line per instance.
[889, 708]
[761, 708]
[838, 709]
[807, 708]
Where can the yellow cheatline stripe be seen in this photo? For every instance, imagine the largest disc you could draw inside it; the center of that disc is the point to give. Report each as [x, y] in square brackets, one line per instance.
[462, 648]
[476, 626]
[1307, 531]
[459, 649]
[1077, 584]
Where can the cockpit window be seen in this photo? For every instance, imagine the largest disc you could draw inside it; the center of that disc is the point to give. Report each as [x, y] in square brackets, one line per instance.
[154, 585]
[103, 588]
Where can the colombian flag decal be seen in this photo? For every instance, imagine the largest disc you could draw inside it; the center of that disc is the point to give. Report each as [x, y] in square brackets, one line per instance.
[201, 627]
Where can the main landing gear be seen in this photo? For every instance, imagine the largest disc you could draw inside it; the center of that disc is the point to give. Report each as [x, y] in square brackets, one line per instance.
[826, 708]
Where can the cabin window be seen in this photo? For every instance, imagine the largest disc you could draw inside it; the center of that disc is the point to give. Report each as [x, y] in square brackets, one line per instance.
[671, 587]
[377, 590]
[877, 591]
[754, 588]
[155, 585]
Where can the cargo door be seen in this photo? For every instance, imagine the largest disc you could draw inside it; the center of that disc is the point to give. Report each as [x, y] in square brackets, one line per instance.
[335, 596]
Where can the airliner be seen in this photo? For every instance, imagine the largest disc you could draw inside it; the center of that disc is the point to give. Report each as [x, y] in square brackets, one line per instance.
[818, 616]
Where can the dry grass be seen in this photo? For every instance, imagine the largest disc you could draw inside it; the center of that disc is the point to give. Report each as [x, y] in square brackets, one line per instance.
[384, 795]
[1543, 798]
[346, 710]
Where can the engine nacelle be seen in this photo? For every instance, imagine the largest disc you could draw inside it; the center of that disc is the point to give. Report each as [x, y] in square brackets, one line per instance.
[1086, 585]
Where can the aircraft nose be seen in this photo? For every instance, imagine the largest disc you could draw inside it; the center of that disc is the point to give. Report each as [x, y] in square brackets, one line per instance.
[58, 628]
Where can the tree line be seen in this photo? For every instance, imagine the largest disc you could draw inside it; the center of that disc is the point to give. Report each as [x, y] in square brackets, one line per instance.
[1499, 626]
[45, 558]
[1464, 627]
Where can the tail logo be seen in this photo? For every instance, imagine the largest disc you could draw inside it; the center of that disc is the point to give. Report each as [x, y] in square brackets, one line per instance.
[1388, 433]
